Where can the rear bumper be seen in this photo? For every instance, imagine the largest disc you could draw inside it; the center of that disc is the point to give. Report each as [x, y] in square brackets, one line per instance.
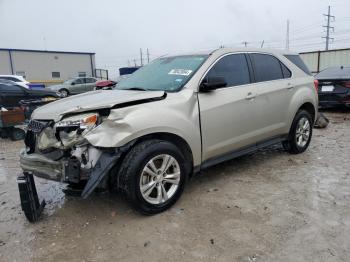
[41, 166]
[331, 99]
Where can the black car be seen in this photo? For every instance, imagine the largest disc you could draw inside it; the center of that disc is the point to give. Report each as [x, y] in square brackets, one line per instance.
[334, 86]
[11, 94]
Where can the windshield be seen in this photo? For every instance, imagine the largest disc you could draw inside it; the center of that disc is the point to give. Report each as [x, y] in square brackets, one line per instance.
[169, 74]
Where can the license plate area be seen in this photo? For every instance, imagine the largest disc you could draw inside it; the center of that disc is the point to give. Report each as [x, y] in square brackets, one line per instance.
[328, 88]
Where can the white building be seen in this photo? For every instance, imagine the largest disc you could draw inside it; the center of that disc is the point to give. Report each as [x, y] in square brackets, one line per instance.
[48, 67]
[319, 60]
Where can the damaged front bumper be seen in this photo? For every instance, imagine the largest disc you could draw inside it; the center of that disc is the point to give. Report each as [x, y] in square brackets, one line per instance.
[41, 166]
[70, 170]
[62, 155]
[65, 171]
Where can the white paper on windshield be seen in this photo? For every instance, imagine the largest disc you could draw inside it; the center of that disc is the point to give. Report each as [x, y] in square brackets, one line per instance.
[180, 72]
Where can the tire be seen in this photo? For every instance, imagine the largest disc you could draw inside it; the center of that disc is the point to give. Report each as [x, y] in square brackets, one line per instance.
[132, 176]
[4, 133]
[17, 134]
[64, 92]
[299, 138]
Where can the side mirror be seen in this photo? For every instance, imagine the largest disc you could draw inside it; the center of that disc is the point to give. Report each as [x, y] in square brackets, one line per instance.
[72, 84]
[212, 83]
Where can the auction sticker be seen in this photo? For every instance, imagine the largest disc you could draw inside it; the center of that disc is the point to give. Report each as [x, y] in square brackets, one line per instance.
[180, 72]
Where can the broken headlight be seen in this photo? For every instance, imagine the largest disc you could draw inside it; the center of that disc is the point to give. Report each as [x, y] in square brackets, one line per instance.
[83, 121]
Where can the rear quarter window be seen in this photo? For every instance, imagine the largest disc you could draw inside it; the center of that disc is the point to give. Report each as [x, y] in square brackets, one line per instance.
[295, 59]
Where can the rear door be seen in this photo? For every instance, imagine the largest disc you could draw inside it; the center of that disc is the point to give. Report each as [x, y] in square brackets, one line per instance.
[228, 114]
[274, 90]
[90, 83]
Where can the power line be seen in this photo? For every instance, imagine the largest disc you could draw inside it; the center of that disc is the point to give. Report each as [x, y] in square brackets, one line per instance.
[329, 16]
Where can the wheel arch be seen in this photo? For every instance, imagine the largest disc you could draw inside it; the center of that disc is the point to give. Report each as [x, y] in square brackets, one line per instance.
[309, 107]
[65, 89]
[177, 140]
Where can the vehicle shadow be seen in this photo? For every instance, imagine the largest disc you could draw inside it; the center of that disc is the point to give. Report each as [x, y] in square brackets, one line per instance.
[105, 205]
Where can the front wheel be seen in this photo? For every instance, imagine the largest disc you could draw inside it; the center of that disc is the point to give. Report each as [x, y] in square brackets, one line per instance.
[64, 92]
[152, 176]
[300, 133]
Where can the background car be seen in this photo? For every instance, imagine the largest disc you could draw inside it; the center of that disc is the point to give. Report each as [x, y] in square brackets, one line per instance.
[334, 86]
[75, 86]
[19, 80]
[105, 84]
[11, 94]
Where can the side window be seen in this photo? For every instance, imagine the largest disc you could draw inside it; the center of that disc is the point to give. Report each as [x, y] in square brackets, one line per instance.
[295, 59]
[10, 88]
[90, 80]
[79, 81]
[10, 78]
[266, 67]
[286, 72]
[233, 68]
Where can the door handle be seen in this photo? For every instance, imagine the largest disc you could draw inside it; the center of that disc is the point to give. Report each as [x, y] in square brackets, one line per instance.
[250, 96]
[290, 86]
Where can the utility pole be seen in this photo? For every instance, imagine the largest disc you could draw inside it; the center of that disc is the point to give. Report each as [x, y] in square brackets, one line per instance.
[328, 27]
[287, 36]
[245, 43]
[147, 56]
[141, 56]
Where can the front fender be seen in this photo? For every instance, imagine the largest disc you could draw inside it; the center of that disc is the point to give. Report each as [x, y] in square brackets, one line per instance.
[124, 125]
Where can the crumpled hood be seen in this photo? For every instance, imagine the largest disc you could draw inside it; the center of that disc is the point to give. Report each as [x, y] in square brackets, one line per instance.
[91, 101]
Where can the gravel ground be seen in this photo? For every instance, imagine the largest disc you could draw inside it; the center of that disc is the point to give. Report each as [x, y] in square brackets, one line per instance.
[267, 206]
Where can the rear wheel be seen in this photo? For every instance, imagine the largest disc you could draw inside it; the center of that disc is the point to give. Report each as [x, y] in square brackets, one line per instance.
[152, 176]
[300, 133]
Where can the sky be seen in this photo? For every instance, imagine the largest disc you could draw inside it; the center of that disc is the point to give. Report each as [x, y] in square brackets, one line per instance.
[116, 30]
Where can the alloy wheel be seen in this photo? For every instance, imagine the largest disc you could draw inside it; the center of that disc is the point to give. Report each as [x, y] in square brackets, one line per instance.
[160, 179]
[302, 133]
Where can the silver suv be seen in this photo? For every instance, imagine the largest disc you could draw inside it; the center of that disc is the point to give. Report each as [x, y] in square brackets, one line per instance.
[171, 119]
[75, 86]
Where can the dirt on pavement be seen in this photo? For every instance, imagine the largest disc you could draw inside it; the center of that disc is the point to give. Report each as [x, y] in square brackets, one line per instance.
[267, 206]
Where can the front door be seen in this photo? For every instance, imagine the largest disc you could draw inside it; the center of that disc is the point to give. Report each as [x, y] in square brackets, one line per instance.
[90, 83]
[77, 86]
[228, 115]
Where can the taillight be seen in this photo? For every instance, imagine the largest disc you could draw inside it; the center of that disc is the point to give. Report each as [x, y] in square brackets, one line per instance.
[346, 84]
[316, 84]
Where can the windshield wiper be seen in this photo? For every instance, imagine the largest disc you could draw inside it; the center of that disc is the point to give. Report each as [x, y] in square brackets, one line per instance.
[136, 88]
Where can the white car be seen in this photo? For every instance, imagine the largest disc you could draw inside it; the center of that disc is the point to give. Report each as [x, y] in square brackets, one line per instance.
[20, 80]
